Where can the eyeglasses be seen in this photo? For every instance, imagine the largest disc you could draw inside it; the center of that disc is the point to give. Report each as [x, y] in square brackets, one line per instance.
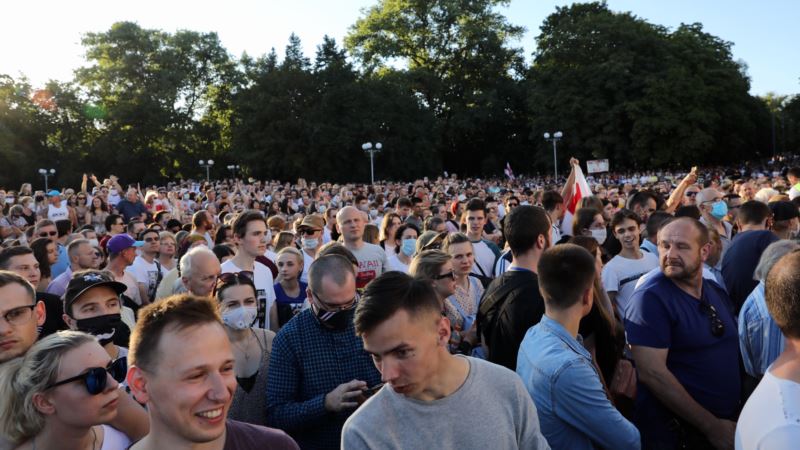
[19, 316]
[691, 194]
[336, 308]
[451, 274]
[717, 327]
[48, 233]
[152, 239]
[96, 379]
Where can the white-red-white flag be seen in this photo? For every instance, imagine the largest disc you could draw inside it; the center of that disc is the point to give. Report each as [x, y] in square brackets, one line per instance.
[580, 189]
[509, 173]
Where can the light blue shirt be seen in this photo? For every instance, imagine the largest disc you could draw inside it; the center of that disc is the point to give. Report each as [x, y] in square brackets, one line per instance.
[63, 262]
[574, 412]
[649, 247]
[760, 339]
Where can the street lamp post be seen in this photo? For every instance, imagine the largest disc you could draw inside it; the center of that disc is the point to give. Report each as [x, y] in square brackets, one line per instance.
[207, 164]
[555, 138]
[372, 149]
[233, 168]
[46, 173]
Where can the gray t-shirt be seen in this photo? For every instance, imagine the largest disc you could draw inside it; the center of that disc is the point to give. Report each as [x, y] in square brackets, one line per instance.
[371, 263]
[491, 410]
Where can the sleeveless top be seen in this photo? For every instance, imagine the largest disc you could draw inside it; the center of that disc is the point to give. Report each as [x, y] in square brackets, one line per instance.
[251, 406]
[55, 214]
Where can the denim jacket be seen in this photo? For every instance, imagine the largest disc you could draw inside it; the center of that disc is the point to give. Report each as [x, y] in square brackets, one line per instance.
[760, 339]
[574, 411]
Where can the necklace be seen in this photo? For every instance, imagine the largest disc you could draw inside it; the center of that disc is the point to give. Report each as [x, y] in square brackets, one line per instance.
[94, 440]
[246, 347]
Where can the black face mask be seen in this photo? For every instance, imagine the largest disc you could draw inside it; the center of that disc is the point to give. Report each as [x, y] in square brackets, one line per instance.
[106, 329]
[334, 320]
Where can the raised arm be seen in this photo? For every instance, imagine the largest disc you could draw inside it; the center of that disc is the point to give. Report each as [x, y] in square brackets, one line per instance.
[676, 197]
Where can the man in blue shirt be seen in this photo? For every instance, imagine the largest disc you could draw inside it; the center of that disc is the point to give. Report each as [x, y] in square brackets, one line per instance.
[132, 207]
[318, 367]
[574, 408]
[685, 345]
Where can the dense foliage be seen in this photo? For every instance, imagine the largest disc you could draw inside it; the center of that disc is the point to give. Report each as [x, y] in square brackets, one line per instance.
[442, 84]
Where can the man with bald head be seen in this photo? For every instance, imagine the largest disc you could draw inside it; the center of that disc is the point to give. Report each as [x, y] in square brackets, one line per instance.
[713, 209]
[684, 340]
[371, 258]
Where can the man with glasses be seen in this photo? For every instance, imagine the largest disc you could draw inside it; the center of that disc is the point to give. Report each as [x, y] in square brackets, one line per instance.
[318, 368]
[146, 269]
[310, 233]
[713, 210]
[685, 346]
[20, 316]
[114, 225]
[21, 261]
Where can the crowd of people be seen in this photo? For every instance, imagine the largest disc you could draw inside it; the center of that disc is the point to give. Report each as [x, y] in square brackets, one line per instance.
[659, 310]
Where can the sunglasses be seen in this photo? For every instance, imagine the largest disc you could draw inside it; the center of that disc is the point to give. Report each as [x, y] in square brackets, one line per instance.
[48, 233]
[691, 194]
[96, 378]
[224, 279]
[717, 327]
[451, 274]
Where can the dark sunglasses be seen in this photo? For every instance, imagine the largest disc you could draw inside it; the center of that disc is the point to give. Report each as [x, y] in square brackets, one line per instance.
[691, 194]
[717, 327]
[451, 274]
[96, 378]
[50, 233]
[224, 279]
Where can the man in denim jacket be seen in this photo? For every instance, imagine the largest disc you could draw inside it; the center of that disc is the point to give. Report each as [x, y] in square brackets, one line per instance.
[574, 410]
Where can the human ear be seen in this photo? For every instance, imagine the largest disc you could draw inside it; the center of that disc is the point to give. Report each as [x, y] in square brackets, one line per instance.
[43, 403]
[138, 383]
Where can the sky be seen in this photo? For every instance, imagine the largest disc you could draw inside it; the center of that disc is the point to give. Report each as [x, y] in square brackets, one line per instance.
[41, 39]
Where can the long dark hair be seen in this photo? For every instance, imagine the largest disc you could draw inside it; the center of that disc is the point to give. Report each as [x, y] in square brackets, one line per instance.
[39, 247]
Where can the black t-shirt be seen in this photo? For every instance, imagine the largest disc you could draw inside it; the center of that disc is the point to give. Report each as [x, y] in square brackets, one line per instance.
[245, 436]
[509, 307]
[54, 314]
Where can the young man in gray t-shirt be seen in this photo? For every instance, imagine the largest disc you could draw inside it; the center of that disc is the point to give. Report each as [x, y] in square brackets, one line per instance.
[431, 399]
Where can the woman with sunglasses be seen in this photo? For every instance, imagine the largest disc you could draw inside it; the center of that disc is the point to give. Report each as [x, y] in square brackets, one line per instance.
[236, 294]
[59, 395]
[436, 266]
[81, 208]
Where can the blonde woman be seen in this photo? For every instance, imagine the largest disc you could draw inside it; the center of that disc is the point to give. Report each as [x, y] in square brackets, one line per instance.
[60, 394]
[469, 290]
[436, 266]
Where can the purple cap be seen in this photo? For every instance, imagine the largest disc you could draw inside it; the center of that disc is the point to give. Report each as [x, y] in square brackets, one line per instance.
[121, 242]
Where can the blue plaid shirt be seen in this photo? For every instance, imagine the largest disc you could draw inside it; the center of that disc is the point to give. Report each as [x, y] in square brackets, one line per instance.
[308, 362]
[760, 339]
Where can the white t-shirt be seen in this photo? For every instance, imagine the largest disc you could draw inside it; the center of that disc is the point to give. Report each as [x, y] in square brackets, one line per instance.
[61, 213]
[770, 419]
[265, 290]
[145, 273]
[371, 263]
[394, 263]
[484, 257]
[114, 439]
[307, 260]
[621, 274]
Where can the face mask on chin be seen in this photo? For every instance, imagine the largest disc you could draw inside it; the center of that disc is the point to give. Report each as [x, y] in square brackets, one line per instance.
[338, 320]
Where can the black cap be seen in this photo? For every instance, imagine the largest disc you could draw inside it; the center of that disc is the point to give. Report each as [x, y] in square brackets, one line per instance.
[84, 281]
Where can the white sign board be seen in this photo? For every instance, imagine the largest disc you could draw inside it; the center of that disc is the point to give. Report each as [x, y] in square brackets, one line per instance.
[597, 166]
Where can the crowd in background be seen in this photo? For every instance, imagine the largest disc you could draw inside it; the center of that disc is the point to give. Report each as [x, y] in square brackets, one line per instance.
[654, 311]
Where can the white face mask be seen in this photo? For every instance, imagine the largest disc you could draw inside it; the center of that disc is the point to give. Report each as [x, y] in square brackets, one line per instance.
[94, 242]
[599, 235]
[240, 318]
[310, 243]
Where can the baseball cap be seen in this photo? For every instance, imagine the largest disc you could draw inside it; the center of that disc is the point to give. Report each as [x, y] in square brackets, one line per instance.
[312, 221]
[783, 210]
[82, 282]
[53, 193]
[121, 242]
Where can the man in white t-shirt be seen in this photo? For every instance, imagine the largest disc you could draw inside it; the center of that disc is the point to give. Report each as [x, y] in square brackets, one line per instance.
[486, 252]
[621, 273]
[250, 236]
[371, 258]
[145, 269]
[771, 417]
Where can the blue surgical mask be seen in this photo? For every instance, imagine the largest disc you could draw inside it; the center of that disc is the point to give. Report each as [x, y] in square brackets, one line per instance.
[408, 247]
[719, 210]
[310, 243]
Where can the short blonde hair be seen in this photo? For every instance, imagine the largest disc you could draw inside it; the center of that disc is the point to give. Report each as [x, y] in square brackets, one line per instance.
[426, 265]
